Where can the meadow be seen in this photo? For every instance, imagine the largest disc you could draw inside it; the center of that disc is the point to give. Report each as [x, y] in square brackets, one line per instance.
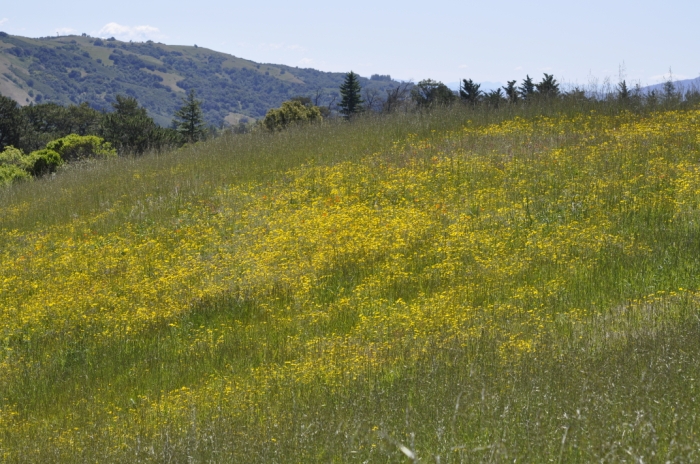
[456, 285]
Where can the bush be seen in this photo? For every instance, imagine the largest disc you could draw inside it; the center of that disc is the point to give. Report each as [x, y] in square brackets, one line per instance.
[291, 112]
[11, 173]
[11, 156]
[12, 166]
[41, 162]
[75, 147]
[15, 165]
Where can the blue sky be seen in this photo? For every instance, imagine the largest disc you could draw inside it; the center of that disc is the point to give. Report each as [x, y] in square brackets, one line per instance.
[580, 43]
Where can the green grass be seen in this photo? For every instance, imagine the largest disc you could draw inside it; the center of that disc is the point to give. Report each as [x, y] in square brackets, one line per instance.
[618, 384]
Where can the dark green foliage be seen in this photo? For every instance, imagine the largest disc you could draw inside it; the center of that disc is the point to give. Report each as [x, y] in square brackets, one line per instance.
[350, 95]
[670, 94]
[49, 121]
[623, 92]
[35, 126]
[128, 128]
[527, 88]
[189, 120]
[692, 96]
[41, 162]
[548, 86]
[575, 95]
[469, 91]
[432, 93]
[10, 122]
[82, 119]
[512, 92]
[224, 84]
[165, 137]
[495, 98]
[652, 99]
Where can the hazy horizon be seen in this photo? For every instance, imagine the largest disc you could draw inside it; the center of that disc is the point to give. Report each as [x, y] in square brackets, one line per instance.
[494, 43]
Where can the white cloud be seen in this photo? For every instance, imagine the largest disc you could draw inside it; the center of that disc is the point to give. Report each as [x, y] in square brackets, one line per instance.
[3, 21]
[518, 68]
[462, 66]
[136, 33]
[66, 31]
[306, 61]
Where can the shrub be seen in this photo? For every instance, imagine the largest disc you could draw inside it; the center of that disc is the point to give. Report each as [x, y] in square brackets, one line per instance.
[12, 166]
[291, 112]
[11, 156]
[15, 165]
[79, 147]
[10, 173]
[41, 162]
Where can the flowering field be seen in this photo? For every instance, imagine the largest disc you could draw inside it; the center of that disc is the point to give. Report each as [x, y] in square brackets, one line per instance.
[245, 320]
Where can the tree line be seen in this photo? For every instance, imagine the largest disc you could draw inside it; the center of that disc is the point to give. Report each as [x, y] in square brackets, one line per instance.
[37, 139]
[430, 93]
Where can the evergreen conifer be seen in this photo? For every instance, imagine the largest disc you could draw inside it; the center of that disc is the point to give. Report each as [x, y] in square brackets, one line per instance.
[351, 97]
[189, 119]
[469, 91]
[548, 86]
[511, 92]
[128, 128]
[623, 92]
[527, 89]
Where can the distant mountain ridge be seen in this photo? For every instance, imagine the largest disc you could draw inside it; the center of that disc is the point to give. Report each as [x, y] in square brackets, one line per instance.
[682, 85]
[76, 69]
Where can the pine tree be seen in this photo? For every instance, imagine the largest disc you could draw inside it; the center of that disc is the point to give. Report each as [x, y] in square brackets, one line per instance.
[527, 89]
[469, 91]
[189, 119]
[495, 97]
[128, 128]
[671, 95]
[623, 92]
[512, 92]
[351, 97]
[548, 86]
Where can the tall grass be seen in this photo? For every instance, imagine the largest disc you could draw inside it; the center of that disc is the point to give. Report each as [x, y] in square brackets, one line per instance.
[457, 285]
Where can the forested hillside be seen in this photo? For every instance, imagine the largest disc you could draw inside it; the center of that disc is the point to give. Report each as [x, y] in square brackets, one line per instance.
[76, 69]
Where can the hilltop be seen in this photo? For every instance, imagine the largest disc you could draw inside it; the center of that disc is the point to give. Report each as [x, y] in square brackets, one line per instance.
[76, 69]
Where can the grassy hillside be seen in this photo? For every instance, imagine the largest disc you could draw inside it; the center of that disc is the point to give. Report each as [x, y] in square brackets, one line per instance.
[76, 69]
[459, 286]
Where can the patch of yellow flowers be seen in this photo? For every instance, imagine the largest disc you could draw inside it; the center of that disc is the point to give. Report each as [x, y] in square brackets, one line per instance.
[434, 243]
